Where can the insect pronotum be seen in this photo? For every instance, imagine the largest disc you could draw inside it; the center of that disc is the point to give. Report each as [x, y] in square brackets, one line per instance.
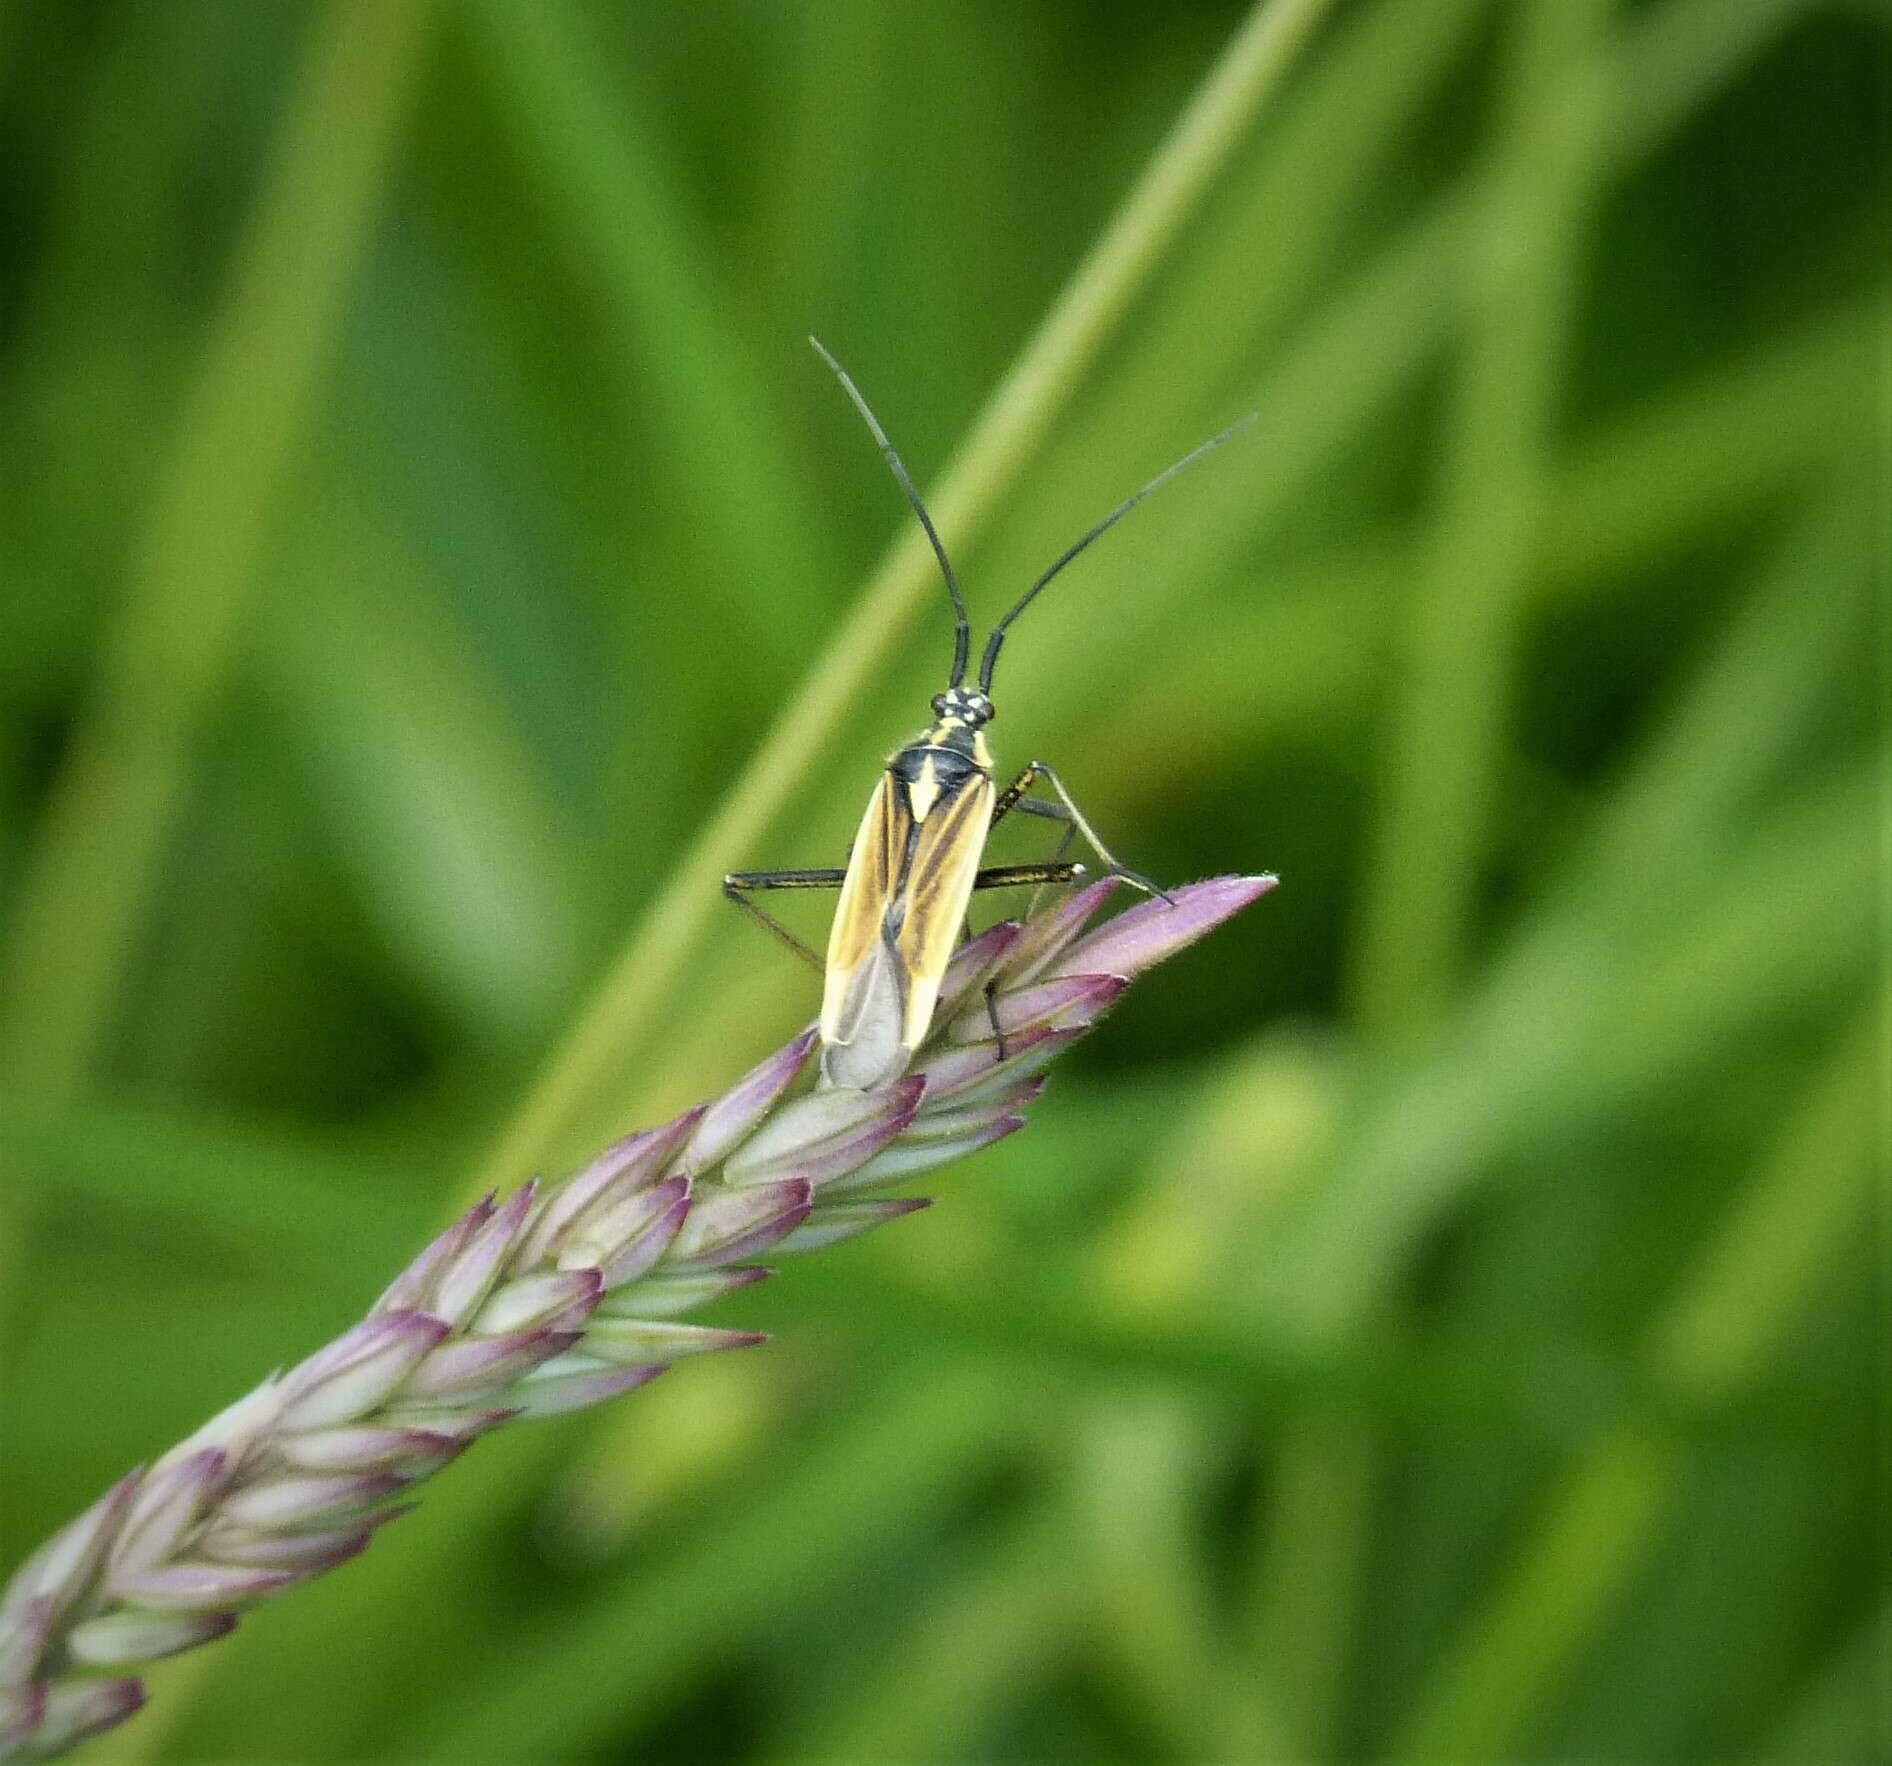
[916, 858]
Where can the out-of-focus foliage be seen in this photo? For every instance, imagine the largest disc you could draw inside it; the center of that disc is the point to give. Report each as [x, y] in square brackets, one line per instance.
[1444, 1316]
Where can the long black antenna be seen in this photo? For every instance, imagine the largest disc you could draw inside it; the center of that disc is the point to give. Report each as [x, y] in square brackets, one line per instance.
[992, 644]
[962, 627]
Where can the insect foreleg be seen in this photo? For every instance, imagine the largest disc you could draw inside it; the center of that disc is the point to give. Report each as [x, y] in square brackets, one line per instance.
[738, 884]
[1066, 810]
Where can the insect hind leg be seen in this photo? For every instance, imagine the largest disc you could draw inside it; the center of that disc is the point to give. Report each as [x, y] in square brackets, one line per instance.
[738, 886]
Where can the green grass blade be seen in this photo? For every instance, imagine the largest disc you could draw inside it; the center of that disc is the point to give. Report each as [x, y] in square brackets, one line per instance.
[1732, 1318]
[621, 1013]
[624, 1650]
[1447, 733]
[1601, 949]
[1846, 1714]
[82, 901]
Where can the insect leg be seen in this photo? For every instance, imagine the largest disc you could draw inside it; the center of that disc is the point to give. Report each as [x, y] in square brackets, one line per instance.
[991, 988]
[1014, 795]
[738, 884]
[1058, 861]
[991, 991]
[1066, 810]
[1014, 876]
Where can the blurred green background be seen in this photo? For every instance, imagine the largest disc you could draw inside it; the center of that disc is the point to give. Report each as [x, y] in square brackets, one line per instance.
[1445, 1316]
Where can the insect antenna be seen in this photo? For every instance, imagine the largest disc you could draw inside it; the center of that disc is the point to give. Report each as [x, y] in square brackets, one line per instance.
[962, 626]
[992, 644]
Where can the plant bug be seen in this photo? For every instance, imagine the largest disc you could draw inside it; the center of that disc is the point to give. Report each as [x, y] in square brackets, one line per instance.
[915, 862]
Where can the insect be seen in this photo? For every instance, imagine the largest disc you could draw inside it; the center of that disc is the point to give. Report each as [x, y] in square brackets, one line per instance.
[916, 858]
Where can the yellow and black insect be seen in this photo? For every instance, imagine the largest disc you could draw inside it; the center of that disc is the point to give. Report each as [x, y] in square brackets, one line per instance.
[916, 858]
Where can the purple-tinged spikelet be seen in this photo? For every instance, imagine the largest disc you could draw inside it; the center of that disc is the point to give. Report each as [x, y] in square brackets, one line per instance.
[548, 1301]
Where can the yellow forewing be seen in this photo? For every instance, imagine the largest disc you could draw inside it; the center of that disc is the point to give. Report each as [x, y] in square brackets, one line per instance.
[939, 886]
[873, 869]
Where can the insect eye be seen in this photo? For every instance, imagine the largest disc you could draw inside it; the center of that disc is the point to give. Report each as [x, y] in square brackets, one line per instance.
[939, 704]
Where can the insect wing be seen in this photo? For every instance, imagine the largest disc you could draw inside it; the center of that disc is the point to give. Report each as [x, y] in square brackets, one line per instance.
[873, 873]
[939, 886]
[861, 973]
[902, 905]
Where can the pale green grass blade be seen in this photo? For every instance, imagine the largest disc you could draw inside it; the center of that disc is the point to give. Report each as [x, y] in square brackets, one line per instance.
[1685, 52]
[1548, 1009]
[80, 906]
[419, 776]
[675, 336]
[1448, 729]
[1731, 1319]
[1707, 453]
[637, 1635]
[98, 309]
[1006, 1309]
[1308, 656]
[220, 1188]
[1268, 243]
[1140, 1469]
[997, 1623]
[1846, 1714]
[1007, 434]
[1365, 348]
[1314, 1547]
[1695, 998]
[814, 189]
